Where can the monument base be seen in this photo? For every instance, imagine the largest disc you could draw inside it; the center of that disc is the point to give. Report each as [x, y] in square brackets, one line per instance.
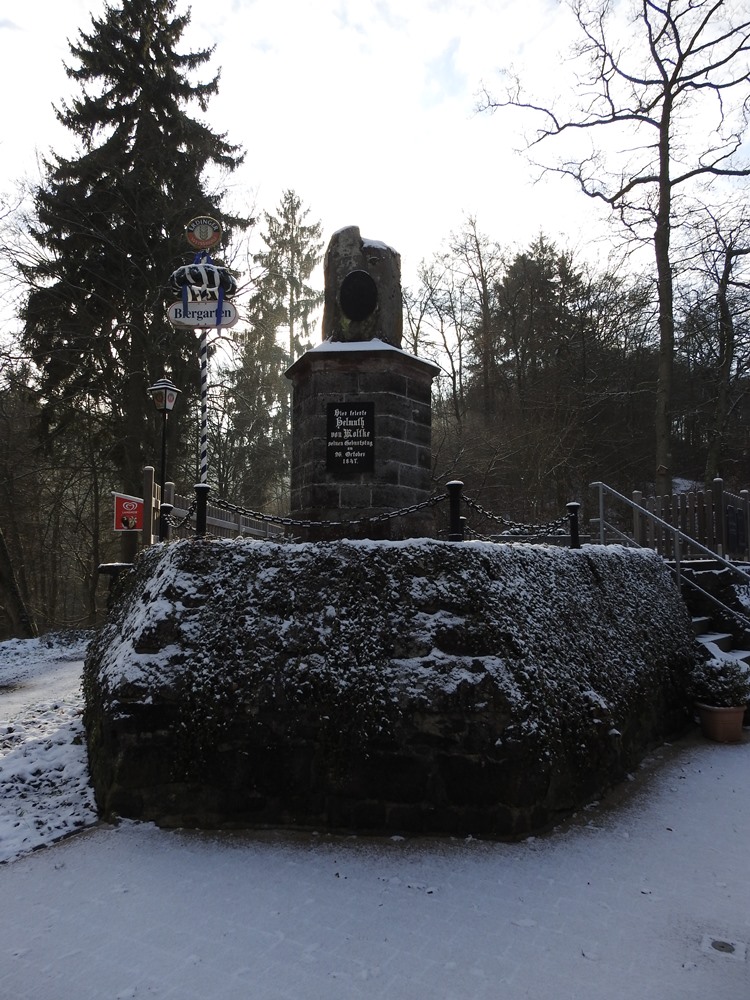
[361, 428]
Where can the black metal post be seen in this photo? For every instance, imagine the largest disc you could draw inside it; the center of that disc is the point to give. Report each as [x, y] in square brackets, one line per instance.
[164, 530]
[163, 527]
[456, 524]
[575, 540]
[201, 496]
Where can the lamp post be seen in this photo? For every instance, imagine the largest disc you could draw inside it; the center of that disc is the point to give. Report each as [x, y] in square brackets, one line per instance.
[164, 394]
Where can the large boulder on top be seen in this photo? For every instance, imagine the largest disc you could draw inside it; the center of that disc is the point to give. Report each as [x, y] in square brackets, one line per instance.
[363, 299]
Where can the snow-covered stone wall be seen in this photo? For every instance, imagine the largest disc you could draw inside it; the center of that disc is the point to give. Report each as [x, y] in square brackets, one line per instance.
[400, 686]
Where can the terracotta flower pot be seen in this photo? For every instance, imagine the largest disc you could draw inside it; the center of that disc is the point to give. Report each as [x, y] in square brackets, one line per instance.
[721, 724]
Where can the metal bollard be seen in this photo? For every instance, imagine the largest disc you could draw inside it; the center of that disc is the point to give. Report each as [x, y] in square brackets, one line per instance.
[456, 525]
[573, 507]
[164, 528]
[201, 496]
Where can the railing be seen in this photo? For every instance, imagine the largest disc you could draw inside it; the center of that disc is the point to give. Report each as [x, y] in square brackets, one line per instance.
[654, 532]
[175, 516]
[220, 522]
[718, 519]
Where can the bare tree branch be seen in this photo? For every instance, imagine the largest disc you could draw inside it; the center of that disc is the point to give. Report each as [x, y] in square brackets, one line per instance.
[680, 64]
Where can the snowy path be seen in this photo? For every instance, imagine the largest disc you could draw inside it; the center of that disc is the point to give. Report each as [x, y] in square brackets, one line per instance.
[643, 898]
[60, 681]
[43, 767]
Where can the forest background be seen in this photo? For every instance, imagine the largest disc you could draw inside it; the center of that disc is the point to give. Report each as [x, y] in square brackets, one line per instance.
[557, 367]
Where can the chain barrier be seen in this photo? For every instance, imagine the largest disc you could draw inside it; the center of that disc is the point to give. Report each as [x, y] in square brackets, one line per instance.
[182, 522]
[511, 528]
[292, 522]
[515, 527]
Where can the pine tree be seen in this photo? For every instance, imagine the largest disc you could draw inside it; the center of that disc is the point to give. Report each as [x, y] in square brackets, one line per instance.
[284, 299]
[249, 434]
[109, 222]
[280, 313]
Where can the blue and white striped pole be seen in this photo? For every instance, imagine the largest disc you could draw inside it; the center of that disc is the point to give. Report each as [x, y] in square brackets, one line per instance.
[204, 407]
[202, 487]
[203, 234]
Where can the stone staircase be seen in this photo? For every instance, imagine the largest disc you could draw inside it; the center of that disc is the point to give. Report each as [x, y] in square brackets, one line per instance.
[721, 622]
[717, 643]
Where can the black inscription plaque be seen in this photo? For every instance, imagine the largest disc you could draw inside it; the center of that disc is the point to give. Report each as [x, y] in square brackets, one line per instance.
[350, 437]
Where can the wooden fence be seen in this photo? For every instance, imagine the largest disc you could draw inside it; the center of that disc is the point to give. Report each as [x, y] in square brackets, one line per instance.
[220, 523]
[716, 518]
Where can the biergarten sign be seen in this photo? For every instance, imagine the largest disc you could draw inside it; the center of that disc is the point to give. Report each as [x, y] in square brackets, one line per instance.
[202, 314]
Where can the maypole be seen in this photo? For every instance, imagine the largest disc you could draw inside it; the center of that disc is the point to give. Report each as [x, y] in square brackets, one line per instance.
[203, 288]
[203, 354]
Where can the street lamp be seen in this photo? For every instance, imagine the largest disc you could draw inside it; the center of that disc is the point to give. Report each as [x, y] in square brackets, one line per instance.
[164, 394]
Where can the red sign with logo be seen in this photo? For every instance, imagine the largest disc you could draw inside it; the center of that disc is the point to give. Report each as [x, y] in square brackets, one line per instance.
[203, 233]
[128, 513]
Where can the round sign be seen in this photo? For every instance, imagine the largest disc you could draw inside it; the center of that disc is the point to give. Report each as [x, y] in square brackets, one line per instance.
[203, 233]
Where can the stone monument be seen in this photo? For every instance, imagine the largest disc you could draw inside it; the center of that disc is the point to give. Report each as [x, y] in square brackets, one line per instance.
[361, 406]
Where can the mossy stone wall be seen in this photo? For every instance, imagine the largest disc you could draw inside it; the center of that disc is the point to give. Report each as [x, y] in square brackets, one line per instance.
[392, 686]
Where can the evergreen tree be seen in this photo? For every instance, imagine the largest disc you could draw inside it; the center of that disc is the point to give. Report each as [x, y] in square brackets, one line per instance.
[535, 320]
[280, 315]
[284, 299]
[109, 222]
[248, 435]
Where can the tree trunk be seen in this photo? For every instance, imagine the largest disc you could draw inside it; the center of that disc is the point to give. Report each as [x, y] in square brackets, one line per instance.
[21, 620]
[663, 416]
[724, 374]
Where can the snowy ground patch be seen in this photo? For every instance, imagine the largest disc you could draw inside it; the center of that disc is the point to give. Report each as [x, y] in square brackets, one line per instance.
[642, 896]
[43, 762]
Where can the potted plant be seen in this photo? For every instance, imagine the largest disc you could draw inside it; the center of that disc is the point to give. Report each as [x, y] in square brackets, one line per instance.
[720, 688]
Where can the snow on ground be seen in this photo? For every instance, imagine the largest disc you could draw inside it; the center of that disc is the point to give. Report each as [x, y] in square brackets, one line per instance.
[643, 897]
[44, 787]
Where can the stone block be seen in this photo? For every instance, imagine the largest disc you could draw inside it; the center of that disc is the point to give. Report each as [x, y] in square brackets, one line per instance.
[355, 496]
[372, 382]
[322, 495]
[413, 478]
[403, 452]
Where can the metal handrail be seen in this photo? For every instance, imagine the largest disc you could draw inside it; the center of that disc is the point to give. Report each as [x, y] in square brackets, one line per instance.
[678, 536]
[742, 620]
[614, 530]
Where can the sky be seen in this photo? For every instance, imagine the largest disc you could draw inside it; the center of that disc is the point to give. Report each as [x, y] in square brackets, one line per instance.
[366, 108]
[642, 895]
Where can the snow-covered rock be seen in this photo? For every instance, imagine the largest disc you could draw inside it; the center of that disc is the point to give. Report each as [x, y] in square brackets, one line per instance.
[416, 685]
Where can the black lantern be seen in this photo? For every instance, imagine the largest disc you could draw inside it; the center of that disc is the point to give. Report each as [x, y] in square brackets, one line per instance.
[164, 394]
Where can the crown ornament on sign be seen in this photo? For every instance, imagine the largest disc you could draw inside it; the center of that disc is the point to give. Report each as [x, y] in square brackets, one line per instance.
[202, 280]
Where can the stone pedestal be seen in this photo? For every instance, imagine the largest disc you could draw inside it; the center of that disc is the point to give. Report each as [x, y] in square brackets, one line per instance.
[361, 425]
